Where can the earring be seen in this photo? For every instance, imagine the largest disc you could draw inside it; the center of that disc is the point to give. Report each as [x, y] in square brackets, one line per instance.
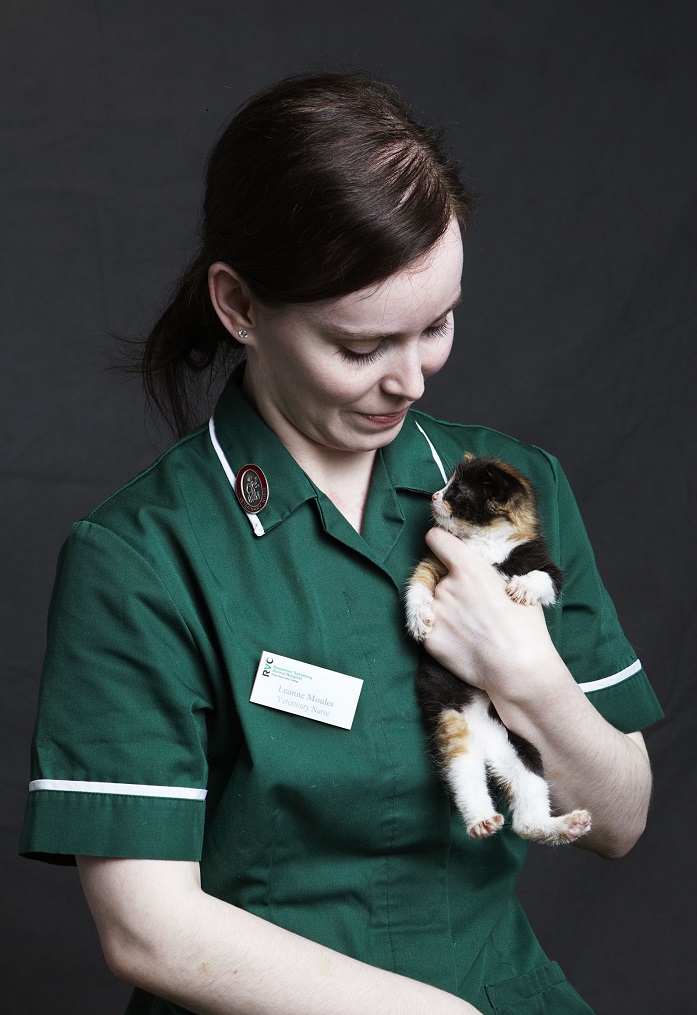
[242, 333]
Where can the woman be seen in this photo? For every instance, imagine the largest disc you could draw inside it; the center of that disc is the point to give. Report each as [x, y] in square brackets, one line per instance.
[237, 856]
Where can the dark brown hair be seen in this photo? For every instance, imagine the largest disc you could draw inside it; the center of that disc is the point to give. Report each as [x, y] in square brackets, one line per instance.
[318, 187]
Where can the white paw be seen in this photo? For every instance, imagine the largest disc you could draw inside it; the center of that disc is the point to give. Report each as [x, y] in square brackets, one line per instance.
[419, 612]
[557, 831]
[572, 826]
[486, 827]
[533, 587]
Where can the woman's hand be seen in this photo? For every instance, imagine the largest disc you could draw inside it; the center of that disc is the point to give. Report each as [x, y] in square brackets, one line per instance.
[487, 639]
[479, 632]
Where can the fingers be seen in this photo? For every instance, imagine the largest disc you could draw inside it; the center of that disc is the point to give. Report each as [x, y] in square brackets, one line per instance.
[459, 558]
[445, 545]
[477, 628]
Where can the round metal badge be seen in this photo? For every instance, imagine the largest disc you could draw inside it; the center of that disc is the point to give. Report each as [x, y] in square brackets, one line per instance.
[252, 488]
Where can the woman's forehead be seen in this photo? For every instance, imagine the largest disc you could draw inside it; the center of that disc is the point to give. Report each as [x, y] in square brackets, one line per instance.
[427, 288]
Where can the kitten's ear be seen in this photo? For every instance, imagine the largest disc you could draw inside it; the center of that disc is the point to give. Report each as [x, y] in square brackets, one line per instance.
[468, 456]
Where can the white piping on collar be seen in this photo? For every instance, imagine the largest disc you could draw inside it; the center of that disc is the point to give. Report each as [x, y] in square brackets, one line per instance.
[253, 519]
[436, 456]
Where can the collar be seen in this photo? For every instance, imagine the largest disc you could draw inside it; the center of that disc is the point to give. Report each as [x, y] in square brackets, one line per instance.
[418, 459]
[244, 438]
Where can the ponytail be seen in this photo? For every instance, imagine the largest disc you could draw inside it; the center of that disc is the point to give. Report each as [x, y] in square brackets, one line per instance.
[186, 341]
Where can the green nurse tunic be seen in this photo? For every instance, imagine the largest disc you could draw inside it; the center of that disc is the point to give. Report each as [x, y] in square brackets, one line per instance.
[147, 744]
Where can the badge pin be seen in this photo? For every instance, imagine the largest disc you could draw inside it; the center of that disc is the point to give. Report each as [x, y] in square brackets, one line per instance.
[252, 488]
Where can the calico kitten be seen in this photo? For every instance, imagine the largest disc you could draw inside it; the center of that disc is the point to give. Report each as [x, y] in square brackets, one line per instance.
[494, 508]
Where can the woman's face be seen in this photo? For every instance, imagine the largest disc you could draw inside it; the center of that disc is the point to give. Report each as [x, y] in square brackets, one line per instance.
[342, 373]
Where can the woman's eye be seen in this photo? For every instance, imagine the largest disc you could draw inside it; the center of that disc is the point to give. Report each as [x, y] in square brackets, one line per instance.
[361, 357]
[437, 330]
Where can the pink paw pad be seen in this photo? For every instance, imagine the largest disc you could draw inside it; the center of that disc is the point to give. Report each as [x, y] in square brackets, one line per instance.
[577, 823]
[486, 827]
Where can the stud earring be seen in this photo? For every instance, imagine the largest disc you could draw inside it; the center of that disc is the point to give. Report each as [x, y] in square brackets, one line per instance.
[243, 333]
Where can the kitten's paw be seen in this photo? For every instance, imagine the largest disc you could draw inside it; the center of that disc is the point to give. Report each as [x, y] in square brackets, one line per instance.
[533, 587]
[419, 612]
[486, 827]
[557, 831]
[575, 824]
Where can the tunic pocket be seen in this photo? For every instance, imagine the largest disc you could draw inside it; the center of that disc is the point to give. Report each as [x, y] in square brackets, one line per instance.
[542, 991]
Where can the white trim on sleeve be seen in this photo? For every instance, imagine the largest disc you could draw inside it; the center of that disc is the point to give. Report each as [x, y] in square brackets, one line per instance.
[118, 789]
[436, 456]
[253, 520]
[616, 678]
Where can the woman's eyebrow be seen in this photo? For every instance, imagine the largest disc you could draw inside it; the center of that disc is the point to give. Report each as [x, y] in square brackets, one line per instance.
[366, 336]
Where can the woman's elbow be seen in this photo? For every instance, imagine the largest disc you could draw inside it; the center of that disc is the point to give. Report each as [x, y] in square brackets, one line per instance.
[623, 833]
[133, 958]
[614, 841]
[139, 908]
[120, 963]
[618, 846]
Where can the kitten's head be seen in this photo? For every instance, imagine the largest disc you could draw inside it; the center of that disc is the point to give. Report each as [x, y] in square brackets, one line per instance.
[485, 493]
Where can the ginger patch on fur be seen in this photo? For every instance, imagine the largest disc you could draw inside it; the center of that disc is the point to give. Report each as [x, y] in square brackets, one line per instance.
[452, 736]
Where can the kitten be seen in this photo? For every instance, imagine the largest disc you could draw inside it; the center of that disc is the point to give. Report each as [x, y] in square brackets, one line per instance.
[494, 508]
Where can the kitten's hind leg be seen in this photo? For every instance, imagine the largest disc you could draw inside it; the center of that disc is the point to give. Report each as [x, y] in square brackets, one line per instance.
[528, 794]
[462, 764]
[532, 818]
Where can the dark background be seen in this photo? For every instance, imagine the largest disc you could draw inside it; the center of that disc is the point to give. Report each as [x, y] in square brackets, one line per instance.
[576, 121]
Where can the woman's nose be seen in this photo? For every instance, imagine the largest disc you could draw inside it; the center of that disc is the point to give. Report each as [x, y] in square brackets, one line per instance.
[406, 378]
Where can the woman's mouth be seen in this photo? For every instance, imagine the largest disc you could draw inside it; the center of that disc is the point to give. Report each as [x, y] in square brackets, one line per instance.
[385, 419]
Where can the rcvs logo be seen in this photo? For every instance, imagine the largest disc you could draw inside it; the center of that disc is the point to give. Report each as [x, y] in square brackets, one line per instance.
[252, 488]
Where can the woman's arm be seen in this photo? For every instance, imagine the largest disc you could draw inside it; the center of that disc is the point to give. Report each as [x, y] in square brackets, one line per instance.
[161, 932]
[485, 638]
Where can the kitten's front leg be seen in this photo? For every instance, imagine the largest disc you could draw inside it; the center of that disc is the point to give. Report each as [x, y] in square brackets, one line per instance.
[533, 587]
[418, 597]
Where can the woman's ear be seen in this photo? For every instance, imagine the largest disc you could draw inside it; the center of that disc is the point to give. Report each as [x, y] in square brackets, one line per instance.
[231, 301]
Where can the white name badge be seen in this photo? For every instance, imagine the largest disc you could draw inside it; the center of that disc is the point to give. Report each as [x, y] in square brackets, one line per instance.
[291, 685]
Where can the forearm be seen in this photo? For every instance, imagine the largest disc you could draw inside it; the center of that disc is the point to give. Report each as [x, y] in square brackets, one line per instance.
[485, 638]
[587, 762]
[215, 959]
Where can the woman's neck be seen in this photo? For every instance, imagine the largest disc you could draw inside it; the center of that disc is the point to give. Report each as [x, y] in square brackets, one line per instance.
[344, 476]
[345, 479]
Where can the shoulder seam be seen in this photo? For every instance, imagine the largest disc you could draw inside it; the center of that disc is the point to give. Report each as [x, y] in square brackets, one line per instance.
[146, 563]
[143, 473]
[550, 458]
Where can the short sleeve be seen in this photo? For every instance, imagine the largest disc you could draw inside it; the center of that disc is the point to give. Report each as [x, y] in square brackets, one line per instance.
[588, 633]
[119, 750]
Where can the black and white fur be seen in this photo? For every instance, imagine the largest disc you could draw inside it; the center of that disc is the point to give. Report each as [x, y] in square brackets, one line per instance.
[493, 507]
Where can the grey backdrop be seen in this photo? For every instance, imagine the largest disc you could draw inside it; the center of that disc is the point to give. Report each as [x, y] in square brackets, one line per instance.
[576, 123]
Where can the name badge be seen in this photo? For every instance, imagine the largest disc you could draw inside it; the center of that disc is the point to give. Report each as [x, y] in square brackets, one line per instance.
[291, 685]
